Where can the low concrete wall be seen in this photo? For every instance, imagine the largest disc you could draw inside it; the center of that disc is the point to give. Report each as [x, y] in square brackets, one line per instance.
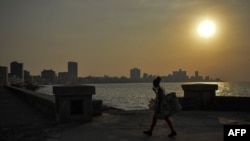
[74, 102]
[64, 106]
[202, 97]
[42, 102]
[97, 107]
[232, 103]
[199, 96]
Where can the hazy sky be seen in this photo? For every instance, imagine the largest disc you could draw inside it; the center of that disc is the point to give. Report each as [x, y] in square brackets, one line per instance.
[109, 37]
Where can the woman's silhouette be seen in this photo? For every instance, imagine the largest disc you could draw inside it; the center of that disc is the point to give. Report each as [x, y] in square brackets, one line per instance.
[159, 112]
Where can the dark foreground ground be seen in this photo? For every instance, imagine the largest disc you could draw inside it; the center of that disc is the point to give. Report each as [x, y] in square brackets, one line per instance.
[19, 121]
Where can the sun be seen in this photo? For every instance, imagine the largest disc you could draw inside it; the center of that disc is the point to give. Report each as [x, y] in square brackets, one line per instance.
[206, 29]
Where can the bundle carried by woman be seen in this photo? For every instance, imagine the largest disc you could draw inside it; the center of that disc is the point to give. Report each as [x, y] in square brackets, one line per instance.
[169, 104]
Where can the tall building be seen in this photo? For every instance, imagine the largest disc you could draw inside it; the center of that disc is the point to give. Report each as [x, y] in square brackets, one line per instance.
[197, 76]
[72, 70]
[135, 74]
[3, 75]
[16, 70]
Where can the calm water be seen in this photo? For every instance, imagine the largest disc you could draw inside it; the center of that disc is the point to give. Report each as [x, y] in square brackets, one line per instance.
[134, 96]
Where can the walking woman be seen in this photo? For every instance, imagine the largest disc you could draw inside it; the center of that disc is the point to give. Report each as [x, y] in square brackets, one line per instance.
[160, 112]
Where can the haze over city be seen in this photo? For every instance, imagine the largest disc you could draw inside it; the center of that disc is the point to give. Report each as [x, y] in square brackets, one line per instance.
[110, 37]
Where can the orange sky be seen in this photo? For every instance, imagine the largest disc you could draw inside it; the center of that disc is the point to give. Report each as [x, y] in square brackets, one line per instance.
[110, 37]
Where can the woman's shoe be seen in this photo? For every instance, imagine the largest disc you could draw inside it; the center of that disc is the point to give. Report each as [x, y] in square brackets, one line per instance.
[149, 133]
[172, 134]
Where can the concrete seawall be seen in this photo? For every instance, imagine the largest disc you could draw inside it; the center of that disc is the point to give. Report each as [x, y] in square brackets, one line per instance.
[75, 102]
[232, 103]
[68, 103]
[43, 102]
[203, 97]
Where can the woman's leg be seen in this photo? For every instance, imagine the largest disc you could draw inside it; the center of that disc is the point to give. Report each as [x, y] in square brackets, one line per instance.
[169, 124]
[173, 133]
[153, 123]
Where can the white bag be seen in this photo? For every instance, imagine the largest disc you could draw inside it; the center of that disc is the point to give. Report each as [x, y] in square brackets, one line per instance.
[152, 105]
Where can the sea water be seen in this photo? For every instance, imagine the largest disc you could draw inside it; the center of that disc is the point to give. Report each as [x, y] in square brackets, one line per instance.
[135, 96]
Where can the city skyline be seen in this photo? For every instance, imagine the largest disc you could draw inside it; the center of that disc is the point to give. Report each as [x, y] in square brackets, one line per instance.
[111, 37]
[133, 74]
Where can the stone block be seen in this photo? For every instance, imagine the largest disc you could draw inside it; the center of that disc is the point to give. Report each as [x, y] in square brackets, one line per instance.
[74, 102]
[200, 95]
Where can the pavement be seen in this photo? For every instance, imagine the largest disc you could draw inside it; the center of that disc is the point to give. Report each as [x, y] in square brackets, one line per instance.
[20, 121]
[128, 126]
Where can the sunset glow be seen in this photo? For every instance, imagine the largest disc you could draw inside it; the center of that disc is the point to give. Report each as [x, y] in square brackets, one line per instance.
[206, 29]
[110, 37]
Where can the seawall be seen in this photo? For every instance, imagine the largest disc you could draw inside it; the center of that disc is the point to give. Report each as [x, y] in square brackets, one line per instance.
[43, 102]
[75, 102]
[68, 103]
[203, 97]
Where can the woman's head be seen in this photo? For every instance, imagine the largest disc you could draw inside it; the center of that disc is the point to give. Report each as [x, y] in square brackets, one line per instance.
[156, 82]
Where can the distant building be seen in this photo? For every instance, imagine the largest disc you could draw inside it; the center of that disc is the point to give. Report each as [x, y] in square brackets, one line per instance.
[38, 79]
[135, 74]
[72, 70]
[207, 78]
[16, 70]
[179, 76]
[63, 77]
[49, 76]
[145, 76]
[148, 77]
[197, 77]
[3, 75]
[27, 76]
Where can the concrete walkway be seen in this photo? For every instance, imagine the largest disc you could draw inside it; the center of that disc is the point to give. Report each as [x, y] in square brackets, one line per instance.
[128, 126]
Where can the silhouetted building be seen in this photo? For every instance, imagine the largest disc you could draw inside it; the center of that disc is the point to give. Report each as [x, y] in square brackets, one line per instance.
[16, 70]
[145, 76]
[63, 77]
[196, 77]
[179, 76]
[38, 79]
[135, 74]
[3, 75]
[207, 78]
[148, 77]
[72, 70]
[27, 76]
[49, 76]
